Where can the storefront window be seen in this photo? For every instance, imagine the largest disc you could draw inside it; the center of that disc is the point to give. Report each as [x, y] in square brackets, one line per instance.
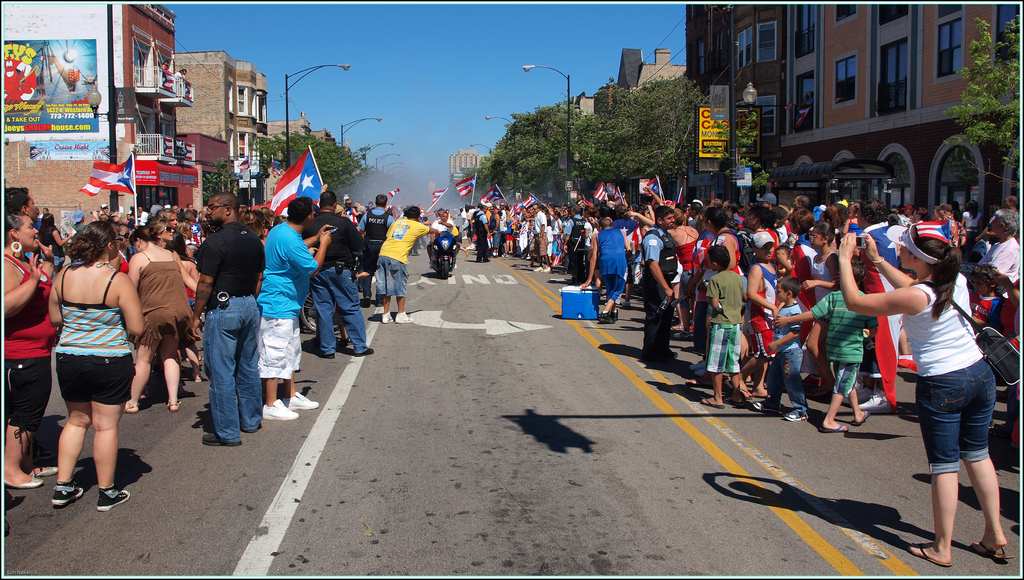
[957, 175]
[899, 190]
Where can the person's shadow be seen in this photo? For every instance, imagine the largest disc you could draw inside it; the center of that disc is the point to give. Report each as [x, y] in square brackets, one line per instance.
[547, 430]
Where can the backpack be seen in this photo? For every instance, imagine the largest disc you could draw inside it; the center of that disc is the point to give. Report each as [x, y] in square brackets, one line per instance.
[745, 241]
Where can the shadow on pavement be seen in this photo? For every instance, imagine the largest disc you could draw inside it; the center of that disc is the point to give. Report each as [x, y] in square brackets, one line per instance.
[547, 430]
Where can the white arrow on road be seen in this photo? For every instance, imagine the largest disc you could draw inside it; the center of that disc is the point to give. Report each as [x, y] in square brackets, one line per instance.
[432, 319]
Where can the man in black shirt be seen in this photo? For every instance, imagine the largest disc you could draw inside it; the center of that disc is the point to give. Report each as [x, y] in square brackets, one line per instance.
[335, 285]
[231, 263]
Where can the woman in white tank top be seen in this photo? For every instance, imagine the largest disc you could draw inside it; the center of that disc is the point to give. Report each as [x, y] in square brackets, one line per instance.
[955, 391]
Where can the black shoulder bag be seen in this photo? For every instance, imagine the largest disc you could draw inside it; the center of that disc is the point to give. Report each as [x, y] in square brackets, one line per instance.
[998, 350]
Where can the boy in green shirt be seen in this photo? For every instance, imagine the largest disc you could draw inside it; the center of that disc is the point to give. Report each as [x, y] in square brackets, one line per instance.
[844, 347]
[725, 298]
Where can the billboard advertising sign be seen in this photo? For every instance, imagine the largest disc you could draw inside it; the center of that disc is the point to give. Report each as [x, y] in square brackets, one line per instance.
[69, 151]
[45, 83]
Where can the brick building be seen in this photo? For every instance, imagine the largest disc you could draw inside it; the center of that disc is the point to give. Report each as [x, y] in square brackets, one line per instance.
[234, 112]
[64, 54]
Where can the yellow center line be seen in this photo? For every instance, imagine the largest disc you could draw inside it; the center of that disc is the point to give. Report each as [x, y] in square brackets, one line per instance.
[769, 498]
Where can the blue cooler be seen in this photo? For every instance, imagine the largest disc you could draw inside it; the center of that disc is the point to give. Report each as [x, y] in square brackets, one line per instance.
[580, 304]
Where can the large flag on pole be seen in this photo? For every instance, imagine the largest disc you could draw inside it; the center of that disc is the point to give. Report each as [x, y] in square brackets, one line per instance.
[493, 195]
[111, 176]
[466, 186]
[530, 201]
[302, 178]
[601, 194]
[438, 194]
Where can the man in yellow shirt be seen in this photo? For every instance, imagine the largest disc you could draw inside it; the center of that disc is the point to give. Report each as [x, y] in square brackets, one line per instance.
[393, 264]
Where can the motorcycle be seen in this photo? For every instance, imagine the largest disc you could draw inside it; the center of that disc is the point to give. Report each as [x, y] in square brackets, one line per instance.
[444, 248]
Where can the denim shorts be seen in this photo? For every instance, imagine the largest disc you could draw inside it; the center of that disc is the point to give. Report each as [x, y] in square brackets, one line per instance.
[955, 410]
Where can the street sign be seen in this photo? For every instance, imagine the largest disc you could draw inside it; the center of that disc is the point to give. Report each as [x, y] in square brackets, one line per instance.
[573, 194]
[568, 185]
[719, 102]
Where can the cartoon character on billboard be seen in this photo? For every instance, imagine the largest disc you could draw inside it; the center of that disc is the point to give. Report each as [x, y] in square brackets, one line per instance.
[19, 81]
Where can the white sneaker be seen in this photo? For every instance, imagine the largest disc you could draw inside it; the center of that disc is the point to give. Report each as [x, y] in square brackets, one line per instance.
[300, 403]
[877, 404]
[539, 269]
[279, 412]
[547, 269]
[403, 318]
[385, 318]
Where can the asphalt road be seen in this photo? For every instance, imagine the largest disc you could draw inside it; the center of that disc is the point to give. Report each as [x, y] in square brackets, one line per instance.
[495, 438]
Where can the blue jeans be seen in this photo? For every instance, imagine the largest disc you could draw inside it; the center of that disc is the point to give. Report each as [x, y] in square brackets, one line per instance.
[236, 394]
[785, 371]
[331, 288]
[955, 410]
[700, 331]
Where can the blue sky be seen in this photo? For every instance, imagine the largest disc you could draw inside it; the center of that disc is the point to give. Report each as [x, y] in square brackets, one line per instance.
[431, 71]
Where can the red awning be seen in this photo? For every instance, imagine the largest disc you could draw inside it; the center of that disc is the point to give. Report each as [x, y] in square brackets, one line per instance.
[165, 175]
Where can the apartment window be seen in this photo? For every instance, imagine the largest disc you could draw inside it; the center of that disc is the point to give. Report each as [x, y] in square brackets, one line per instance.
[803, 113]
[889, 12]
[844, 11]
[262, 109]
[892, 88]
[241, 101]
[743, 52]
[720, 54]
[950, 53]
[243, 144]
[805, 16]
[1006, 14]
[140, 53]
[231, 98]
[846, 79]
[767, 104]
[766, 41]
[700, 57]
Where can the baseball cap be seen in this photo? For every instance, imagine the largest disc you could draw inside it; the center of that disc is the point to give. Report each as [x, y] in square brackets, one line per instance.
[762, 239]
[79, 216]
[769, 198]
[103, 206]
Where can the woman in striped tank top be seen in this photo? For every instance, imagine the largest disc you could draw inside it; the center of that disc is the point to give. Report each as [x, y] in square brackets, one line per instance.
[98, 308]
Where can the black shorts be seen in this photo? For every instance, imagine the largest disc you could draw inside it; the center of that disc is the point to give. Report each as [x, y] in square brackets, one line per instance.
[28, 382]
[106, 380]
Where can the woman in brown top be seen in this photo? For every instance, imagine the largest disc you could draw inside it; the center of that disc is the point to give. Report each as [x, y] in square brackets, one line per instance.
[161, 279]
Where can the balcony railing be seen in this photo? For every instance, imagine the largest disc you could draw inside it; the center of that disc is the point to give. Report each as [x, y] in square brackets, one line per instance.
[163, 148]
[892, 97]
[805, 41]
[154, 80]
[182, 94]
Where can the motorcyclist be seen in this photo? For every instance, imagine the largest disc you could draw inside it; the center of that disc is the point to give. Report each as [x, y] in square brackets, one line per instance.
[444, 223]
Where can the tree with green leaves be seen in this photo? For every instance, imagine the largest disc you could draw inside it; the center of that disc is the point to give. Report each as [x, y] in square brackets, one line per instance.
[221, 180]
[989, 109]
[338, 166]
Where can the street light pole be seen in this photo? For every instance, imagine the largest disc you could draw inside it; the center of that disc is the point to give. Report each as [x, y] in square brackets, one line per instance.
[377, 160]
[353, 123]
[372, 147]
[482, 145]
[731, 193]
[287, 119]
[568, 118]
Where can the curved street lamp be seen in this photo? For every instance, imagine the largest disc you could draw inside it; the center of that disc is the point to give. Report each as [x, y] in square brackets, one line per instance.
[385, 168]
[287, 86]
[372, 147]
[568, 114]
[489, 117]
[353, 123]
[482, 145]
[377, 160]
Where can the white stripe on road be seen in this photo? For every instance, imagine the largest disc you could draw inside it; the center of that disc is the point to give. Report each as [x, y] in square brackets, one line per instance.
[259, 554]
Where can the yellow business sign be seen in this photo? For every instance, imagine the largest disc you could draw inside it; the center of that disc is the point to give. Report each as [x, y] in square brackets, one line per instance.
[713, 136]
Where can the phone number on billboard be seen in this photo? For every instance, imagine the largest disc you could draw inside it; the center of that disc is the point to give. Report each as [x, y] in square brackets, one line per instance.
[71, 115]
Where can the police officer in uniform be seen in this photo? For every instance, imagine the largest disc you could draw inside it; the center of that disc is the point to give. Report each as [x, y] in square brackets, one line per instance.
[659, 251]
[374, 227]
[482, 233]
[576, 248]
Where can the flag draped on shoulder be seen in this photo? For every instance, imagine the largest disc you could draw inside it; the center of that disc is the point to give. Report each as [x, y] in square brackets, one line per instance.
[493, 195]
[466, 186]
[111, 176]
[301, 179]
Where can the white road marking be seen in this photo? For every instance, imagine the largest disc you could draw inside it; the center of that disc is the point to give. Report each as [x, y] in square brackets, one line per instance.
[469, 279]
[505, 279]
[432, 319]
[258, 555]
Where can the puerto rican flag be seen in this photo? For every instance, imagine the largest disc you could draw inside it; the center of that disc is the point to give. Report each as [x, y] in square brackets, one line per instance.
[493, 195]
[167, 80]
[394, 192]
[242, 165]
[302, 178]
[530, 201]
[601, 194]
[889, 327]
[438, 194]
[466, 186]
[656, 186]
[680, 197]
[618, 195]
[111, 176]
[518, 208]
[584, 201]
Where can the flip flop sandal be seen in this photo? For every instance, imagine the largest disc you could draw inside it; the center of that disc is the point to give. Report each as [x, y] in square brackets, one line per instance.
[839, 429]
[708, 403]
[173, 407]
[863, 419]
[996, 554]
[920, 553]
[131, 408]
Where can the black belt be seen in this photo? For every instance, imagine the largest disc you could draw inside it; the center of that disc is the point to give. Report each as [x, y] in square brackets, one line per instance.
[375, 241]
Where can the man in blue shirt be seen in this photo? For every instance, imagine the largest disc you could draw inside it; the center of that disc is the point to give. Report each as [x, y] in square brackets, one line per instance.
[289, 266]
